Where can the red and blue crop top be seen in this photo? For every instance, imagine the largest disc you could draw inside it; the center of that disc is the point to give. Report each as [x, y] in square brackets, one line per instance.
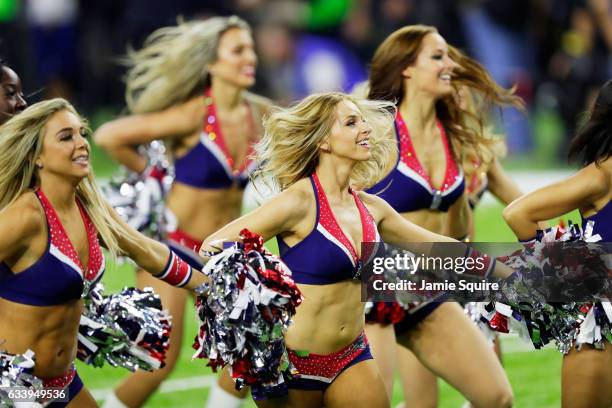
[326, 255]
[408, 186]
[209, 165]
[57, 277]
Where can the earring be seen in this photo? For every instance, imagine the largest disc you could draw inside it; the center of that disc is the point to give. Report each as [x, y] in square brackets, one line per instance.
[39, 166]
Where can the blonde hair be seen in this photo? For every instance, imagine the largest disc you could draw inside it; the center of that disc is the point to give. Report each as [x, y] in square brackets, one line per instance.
[173, 64]
[21, 142]
[289, 149]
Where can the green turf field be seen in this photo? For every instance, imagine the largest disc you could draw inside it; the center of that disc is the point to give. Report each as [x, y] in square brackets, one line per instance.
[535, 375]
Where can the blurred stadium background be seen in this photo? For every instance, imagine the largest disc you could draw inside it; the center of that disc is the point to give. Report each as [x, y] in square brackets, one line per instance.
[556, 52]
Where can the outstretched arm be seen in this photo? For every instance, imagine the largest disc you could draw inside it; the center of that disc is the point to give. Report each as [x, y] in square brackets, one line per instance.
[396, 230]
[577, 191]
[120, 137]
[280, 214]
[156, 258]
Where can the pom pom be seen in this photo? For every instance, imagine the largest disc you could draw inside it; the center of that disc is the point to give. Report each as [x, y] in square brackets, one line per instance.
[244, 312]
[128, 329]
[550, 269]
[139, 198]
[17, 371]
[384, 312]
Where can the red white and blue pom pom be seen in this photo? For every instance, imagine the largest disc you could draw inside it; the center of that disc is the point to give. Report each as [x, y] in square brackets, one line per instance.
[384, 312]
[128, 329]
[140, 198]
[17, 371]
[244, 312]
[525, 308]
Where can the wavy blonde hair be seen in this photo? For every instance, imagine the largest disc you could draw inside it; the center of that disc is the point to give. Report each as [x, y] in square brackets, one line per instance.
[289, 149]
[173, 64]
[21, 142]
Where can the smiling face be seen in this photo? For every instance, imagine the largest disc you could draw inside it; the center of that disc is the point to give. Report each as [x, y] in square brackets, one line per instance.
[236, 58]
[11, 96]
[349, 136]
[432, 71]
[65, 150]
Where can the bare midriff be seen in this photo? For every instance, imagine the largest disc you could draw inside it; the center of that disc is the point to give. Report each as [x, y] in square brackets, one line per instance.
[200, 212]
[329, 318]
[49, 331]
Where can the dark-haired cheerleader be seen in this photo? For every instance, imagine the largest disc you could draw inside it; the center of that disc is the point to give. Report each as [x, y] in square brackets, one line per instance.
[12, 100]
[586, 378]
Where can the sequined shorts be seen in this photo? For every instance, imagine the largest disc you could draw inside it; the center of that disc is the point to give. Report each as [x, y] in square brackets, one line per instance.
[316, 372]
[70, 381]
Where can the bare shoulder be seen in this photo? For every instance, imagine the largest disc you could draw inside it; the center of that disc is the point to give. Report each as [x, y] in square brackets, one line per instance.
[298, 198]
[597, 178]
[377, 206]
[28, 211]
[194, 107]
[606, 169]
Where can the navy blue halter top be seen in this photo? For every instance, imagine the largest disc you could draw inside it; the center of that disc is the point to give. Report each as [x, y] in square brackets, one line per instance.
[326, 255]
[57, 277]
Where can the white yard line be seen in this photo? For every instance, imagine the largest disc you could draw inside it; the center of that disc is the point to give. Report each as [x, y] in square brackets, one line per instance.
[529, 181]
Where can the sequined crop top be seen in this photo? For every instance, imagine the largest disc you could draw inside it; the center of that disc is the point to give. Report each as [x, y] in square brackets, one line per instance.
[326, 255]
[209, 165]
[57, 276]
[408, 186]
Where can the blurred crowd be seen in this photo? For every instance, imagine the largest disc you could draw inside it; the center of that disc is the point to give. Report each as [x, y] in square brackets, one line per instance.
[557, 52]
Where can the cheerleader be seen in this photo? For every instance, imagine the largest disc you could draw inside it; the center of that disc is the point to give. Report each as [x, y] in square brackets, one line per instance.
[51, 218]
[317, 152]
[187, 87]
[415, 68]
[586, 374]
[12, 100]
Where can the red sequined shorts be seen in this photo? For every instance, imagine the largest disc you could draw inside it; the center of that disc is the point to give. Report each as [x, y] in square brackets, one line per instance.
[317, 372]
[70, 381]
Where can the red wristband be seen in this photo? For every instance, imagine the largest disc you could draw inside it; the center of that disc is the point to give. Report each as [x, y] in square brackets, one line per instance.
[177, 272]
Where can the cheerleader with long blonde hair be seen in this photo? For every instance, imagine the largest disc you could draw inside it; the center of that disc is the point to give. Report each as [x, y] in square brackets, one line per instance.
[321, 152]
[187, 87]
[53, 221]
